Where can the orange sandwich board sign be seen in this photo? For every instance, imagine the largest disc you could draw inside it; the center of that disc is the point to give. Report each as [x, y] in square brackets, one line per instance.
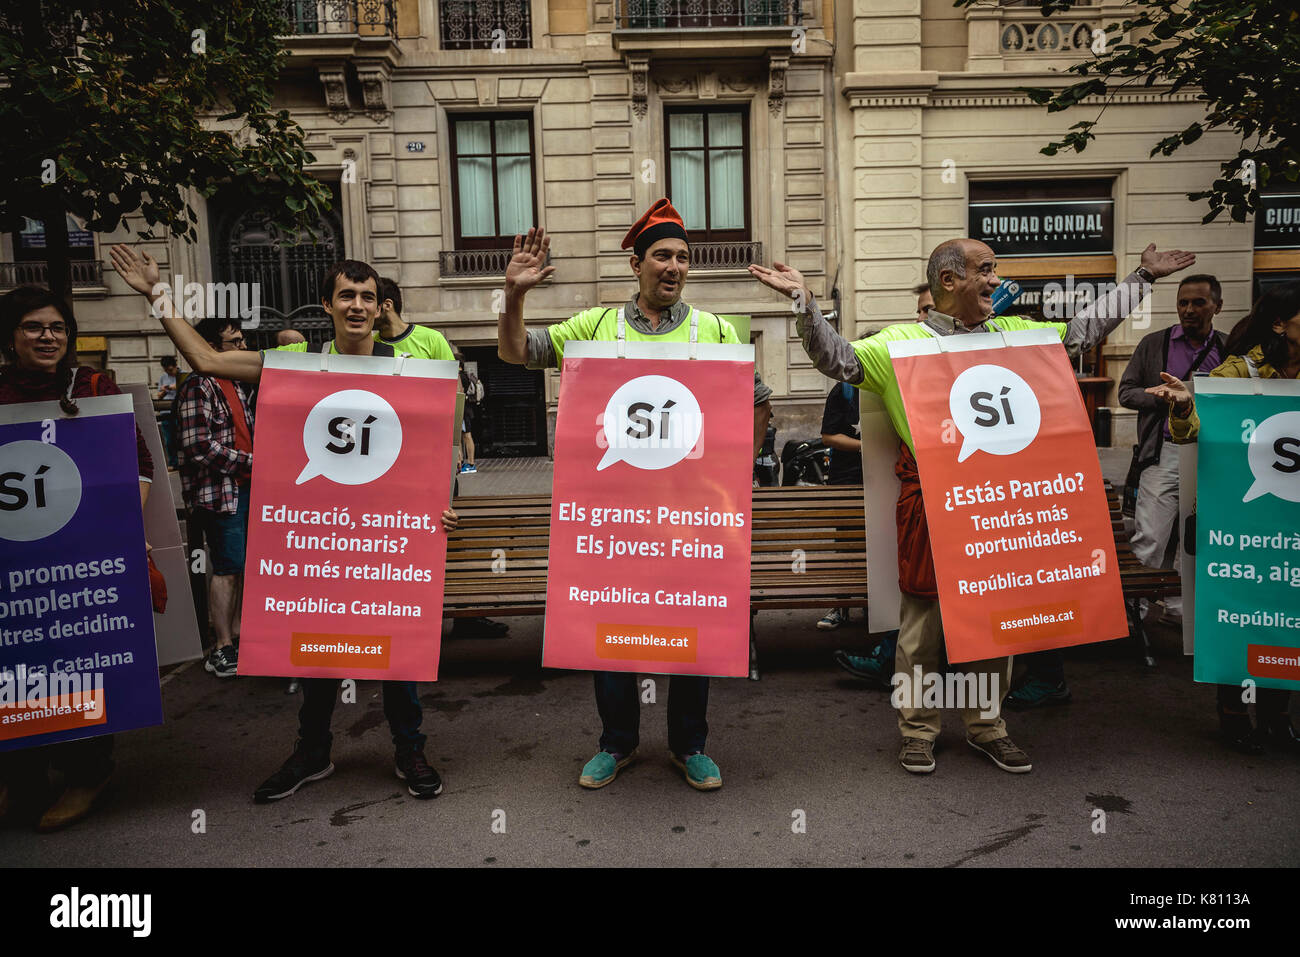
[1023, 550]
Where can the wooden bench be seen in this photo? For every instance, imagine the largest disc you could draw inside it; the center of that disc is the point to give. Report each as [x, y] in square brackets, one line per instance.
[808, 552]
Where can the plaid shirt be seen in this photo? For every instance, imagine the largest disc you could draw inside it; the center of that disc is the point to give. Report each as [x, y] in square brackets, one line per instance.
[211, 467]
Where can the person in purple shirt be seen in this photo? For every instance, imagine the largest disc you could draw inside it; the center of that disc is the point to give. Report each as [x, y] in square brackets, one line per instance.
[1191, 346]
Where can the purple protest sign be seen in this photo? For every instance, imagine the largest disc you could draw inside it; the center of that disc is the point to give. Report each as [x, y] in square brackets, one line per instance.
[77, 654]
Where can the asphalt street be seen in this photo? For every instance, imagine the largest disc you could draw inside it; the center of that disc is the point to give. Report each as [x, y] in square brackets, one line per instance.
[805, 745]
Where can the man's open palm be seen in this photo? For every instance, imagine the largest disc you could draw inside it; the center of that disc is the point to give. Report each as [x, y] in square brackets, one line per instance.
[527, 266]
[784, 279]
[1166, 263]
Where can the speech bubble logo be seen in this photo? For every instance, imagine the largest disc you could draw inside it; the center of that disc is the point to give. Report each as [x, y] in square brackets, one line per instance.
[1274, 458]
[40, 489]
[652, 422]
[995, 411]
[351, 437]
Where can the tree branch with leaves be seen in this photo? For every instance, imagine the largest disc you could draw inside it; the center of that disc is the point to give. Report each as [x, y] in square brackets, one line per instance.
[118, 109]
[1241, 57]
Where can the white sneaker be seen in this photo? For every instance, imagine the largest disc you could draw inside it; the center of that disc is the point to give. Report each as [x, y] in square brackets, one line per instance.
[833, 619]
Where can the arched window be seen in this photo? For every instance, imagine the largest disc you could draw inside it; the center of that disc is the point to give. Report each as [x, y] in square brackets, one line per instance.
[287, 269]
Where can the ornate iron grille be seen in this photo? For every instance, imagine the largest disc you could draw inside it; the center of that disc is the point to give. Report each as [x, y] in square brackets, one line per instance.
[287, 269]
[485, 24]
[366, 17]
[704, 14]
[725, 255]
[85, 272]
[460, 263]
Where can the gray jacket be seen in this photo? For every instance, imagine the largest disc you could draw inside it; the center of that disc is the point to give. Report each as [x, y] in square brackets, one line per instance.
[833, 355]
[1150, 358]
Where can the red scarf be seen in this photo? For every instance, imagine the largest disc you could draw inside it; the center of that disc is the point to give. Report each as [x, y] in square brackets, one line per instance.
[243, 437]
[915, 557]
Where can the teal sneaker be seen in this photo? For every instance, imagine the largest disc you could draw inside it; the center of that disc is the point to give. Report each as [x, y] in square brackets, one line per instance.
[877, 671]
[1036, 693]
[701, 773]
[603, 768]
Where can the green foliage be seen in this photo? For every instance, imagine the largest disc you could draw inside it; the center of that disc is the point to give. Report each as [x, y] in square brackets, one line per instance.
[1241, 56]
[117, 96]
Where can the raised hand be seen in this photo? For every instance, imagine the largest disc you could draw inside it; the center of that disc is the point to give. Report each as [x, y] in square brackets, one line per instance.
[138, 269]
[527, 266]
[1173, 391]
[1165, 263]
[786, 280]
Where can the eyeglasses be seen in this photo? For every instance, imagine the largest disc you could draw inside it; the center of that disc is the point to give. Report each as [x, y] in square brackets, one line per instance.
[34, 330]
[237, 341]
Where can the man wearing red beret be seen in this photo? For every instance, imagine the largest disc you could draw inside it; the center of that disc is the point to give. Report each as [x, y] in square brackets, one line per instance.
[660, 261]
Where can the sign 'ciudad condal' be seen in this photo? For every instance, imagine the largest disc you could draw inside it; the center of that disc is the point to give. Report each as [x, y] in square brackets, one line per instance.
[1277, 221]
[1044, 228]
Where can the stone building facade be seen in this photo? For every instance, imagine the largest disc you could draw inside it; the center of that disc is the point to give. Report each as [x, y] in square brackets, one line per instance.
[933, 129]
[847, 139]
[398, 101]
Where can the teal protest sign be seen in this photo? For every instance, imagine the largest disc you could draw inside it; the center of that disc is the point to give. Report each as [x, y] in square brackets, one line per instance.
[1248, 532]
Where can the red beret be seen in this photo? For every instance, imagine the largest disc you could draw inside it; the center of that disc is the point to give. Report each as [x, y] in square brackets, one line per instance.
[660, 221]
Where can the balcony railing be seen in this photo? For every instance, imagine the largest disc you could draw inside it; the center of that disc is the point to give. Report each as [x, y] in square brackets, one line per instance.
[725, 255]
[367, 18]
[706, 14]
[485, 24]
[85, 273]
[1046, 36]
[464, 263]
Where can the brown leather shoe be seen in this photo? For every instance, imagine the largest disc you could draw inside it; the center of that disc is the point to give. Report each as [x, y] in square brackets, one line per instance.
[1004, 753]
[917, 755]
[73, 804]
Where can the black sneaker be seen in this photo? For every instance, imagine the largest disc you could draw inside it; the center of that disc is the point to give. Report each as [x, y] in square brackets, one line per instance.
[421, 780]
[223, 662]
[305, 764]
[1282, 733]
[1238, 734]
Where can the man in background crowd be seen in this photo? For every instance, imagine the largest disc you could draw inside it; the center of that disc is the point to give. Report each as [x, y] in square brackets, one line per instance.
[1182, 350]
[924, 301]
[422, 342]
[474, 392]
[216, 463]
[167, 381]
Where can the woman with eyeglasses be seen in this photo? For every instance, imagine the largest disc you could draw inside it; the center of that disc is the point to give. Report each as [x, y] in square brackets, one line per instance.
[38, 335]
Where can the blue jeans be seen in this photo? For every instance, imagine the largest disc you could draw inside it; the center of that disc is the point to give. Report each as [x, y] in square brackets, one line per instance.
[226, 534]
[620, 712]
[401, 708]
[167, 428]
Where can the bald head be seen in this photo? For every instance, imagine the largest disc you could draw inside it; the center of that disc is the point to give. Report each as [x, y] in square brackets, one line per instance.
[963, 274]
[287, 337]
